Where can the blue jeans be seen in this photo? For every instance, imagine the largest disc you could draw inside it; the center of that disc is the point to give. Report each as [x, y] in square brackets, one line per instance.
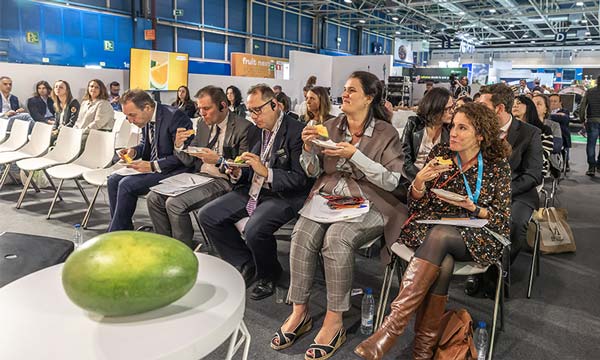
[593, 131]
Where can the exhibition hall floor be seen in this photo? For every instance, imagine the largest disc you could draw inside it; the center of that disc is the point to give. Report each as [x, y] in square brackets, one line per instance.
[560, 321]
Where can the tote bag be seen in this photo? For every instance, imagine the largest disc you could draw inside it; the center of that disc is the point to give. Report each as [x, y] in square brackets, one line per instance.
[555, 233]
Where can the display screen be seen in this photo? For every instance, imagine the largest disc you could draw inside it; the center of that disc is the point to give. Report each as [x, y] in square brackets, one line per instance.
[157, 70]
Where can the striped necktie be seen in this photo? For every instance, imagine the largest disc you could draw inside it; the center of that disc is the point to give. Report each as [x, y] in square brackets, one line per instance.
[154, 149]
[252, 203]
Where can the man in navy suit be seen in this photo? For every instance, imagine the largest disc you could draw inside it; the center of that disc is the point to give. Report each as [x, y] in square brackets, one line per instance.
[270, 192]
[159, 124]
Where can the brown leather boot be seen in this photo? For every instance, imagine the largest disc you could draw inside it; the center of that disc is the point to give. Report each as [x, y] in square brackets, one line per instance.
[417, 279]
[427, 326]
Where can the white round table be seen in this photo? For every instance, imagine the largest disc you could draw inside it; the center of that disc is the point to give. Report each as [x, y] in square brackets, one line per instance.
[40, 322]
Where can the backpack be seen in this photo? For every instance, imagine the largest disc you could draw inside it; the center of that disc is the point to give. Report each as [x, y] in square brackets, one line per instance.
[456, 340]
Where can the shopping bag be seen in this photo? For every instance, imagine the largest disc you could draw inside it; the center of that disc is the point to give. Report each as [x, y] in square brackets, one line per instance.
[555, 233]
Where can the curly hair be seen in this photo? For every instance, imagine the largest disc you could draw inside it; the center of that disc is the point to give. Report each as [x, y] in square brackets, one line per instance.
[485, 123]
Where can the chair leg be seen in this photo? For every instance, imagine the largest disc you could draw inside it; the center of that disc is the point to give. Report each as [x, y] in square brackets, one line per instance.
[497, 306]
[88, 213]
[534, 269]
[381, 305]
[387, 286]
[24, 191]
[85, 198]
[52, 184]
[60, 184]
[14, 179]
[4, 175]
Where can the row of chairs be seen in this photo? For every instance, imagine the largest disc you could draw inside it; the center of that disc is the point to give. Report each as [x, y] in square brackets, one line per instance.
[66, 160]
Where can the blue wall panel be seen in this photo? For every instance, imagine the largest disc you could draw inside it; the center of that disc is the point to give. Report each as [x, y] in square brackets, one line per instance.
[189, 41]
[140, 26]
[306, 32]
[259, 47]
[353, 41]
[214, 46]
[275, 50]
[331, 33]
[235, 44]
[164, 9]
[205, 67]
[237, 15]
[214, 13]
[192, 10]
[344, 37]
[287, 51]
[164, 38]
[258, 19]
[275, 23]
[291, 27]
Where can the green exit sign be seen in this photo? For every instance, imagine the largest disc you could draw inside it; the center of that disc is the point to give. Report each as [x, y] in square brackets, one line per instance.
[177, 12]
[272, 67]
[33, 37]
[109, 45]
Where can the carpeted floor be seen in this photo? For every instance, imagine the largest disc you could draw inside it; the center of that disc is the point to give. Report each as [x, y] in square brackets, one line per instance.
[560, 321]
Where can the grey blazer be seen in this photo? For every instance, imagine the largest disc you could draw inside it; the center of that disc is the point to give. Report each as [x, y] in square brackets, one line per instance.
[235, 143]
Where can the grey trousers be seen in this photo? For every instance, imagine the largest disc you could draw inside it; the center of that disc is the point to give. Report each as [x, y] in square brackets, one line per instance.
[337, 243]
[171, 214]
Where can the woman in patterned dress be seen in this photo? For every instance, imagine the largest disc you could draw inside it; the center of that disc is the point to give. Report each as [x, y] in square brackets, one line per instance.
[479, 170]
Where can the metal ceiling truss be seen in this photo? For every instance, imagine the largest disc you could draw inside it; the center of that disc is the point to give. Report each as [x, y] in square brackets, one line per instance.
[484, 23]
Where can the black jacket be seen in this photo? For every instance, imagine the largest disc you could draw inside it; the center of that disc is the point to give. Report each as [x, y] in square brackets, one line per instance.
[526, 162]
[188, 108]
[563, 120]
[240, 110]
[71, 114]
[37, 108]
[411, 142]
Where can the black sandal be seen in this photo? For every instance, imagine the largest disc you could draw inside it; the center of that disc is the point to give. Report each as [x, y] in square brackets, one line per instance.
[326, 351]
[287, 339]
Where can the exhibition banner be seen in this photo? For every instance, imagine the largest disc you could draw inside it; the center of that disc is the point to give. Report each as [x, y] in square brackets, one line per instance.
[403, 50]
[249, 65]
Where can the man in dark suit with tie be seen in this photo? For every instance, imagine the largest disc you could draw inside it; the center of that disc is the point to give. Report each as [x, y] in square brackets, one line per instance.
[220, 135]
[159, 124]
[270, 192]
[525, 161]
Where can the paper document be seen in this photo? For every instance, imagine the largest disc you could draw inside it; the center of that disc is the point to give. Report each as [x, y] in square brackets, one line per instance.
[180, 183]
[474, 223]
[125, 171]
[317, 210]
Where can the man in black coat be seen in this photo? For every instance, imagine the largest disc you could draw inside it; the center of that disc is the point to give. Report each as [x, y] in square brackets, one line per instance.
[269, 192]
[561, 116]
[525, 161]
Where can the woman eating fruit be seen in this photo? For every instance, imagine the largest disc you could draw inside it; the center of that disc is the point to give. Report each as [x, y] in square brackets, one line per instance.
[478, 168]
[355, 177]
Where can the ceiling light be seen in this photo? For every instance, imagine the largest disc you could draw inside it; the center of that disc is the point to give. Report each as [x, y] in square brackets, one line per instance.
[397, 32]
[395, 18]
[588, 39]
[492, 11]
[579, 3]
[361, 21]
[512, 42]
[532, 41]
[525, 36]
[584, 21]
[348, 1]
[461, 13]
[502, 37]
[511, 25]
[427, 30]
[486, 27]
[587, 33]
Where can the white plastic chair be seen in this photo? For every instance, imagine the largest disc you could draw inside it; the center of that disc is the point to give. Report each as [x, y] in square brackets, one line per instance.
[97, 178]
[98, 153]
[68, 147]
[3, 129]
[17, 137]
[122, 130]
[39, 144]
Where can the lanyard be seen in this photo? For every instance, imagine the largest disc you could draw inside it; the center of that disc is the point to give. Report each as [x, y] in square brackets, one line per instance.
[264, 156]
[473, 197]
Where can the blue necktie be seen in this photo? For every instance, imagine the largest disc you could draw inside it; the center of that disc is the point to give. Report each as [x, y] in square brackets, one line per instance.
[154, 150]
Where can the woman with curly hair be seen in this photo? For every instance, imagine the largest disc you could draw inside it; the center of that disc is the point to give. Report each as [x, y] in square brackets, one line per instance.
[234, 101]
[473, 164]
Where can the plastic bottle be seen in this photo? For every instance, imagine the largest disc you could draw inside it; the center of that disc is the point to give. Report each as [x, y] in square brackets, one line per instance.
[77, 235]
[481, 340]
[368, 311]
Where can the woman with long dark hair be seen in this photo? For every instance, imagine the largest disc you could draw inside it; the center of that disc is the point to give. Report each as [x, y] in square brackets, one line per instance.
[525, 110]
[234, 101]
[365, 164]
[96, 112]
[65, 105]
[318, 106]
[184, 102]
[41, 105]
[429, 128]
[479, 170]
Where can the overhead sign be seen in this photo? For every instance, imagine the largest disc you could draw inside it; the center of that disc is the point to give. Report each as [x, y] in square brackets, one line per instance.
[109, 45]
[560, 37]
[177, 12]
[250, 65]
[403, 50]
[32, 37]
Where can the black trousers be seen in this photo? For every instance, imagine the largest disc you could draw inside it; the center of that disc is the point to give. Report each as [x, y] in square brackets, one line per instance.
[520, 214]
[218, 220]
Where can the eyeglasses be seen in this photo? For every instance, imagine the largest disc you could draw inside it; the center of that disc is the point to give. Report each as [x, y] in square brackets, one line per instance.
[258, 110]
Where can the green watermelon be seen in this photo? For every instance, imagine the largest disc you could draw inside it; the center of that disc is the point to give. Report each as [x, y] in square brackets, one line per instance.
[129, 272]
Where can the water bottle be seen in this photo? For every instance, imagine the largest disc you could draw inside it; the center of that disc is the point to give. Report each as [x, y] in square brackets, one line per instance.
[77, 236]
[481, 341]
[368, 311]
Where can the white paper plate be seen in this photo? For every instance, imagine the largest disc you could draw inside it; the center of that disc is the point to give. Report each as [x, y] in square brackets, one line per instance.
[449, 195]
[326, 144]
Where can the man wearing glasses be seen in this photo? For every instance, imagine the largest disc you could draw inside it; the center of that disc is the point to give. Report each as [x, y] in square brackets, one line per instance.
[270, 188]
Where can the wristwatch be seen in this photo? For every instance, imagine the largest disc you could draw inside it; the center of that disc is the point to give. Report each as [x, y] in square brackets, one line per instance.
[475, 213]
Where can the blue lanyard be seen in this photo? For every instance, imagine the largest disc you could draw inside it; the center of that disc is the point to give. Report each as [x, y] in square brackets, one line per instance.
[475, 197]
